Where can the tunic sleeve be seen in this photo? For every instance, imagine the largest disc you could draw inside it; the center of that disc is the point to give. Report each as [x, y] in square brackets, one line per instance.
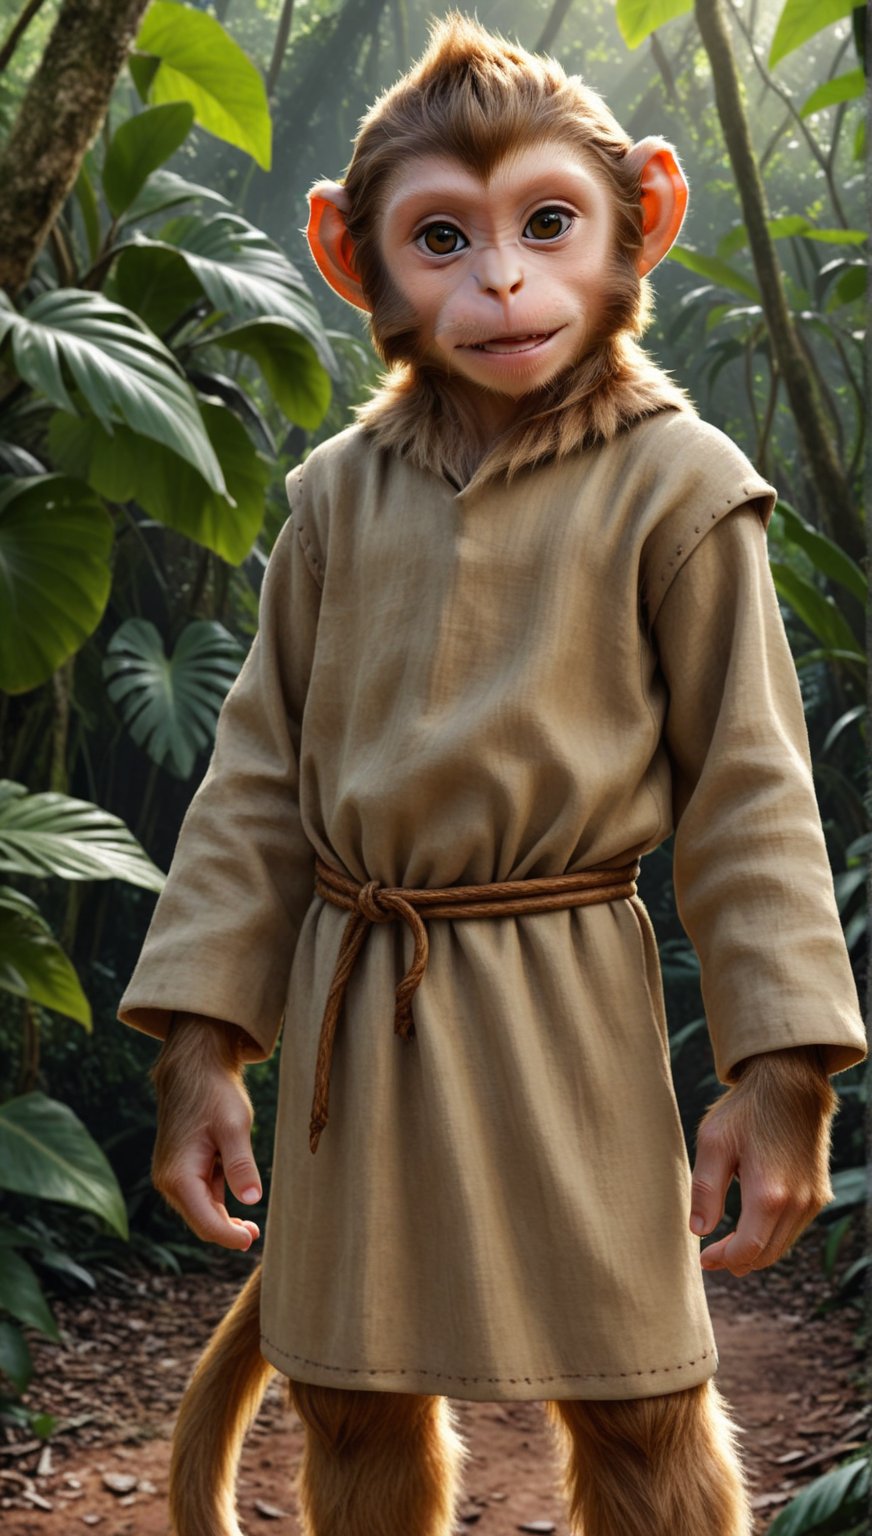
[752, 879]
[223, 933]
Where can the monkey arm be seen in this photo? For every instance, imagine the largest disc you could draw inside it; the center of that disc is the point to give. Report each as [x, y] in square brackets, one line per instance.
[755, 894]
[223, 933]
[752, 878]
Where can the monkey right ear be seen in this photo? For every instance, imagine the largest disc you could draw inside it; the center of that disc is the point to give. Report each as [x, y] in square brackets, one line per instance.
[331, 244]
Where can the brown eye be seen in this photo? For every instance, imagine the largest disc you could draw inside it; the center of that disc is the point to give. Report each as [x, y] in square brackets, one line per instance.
[548, 223]
[442, 239]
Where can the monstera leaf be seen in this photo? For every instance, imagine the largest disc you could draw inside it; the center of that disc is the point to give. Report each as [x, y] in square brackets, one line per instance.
[32, 963]
[170, 704]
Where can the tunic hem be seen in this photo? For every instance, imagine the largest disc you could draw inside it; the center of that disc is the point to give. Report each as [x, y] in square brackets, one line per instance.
[590, 1385]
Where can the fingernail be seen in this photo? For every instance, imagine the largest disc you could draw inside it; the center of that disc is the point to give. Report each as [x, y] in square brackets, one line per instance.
[250, 1196]
[697, 1224]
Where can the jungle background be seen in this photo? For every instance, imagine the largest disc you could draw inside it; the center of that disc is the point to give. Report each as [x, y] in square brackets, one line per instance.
[167, 354]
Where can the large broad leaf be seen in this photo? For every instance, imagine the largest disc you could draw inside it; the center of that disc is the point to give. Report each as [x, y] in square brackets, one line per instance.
[289, 364]
[20, 1290]
[51, 834]
[46, 1152]
[139, 146]
[170, 704]
[801, 19]
[55, 578]
[15, 1361]
[241, 272]
[789, 227]
[32, 963]
[164, 189]
[829, 558]
[158, 285]
[123, 371]
[845, 87]
[637, 19]
[126, 467]
[840, 1493]
[200, 63]
[817, 611]
[718, 271]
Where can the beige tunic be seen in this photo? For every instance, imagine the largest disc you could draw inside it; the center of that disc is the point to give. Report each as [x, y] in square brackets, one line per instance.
[456, 688]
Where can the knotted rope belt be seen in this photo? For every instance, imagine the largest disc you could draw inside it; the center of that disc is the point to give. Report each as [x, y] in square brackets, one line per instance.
[375, 903]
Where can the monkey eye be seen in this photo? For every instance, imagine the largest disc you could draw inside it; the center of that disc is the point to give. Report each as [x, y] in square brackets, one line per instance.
[548, 223]
[442, 239]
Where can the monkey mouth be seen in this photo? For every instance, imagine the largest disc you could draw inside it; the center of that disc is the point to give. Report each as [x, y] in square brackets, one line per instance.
[509, 344]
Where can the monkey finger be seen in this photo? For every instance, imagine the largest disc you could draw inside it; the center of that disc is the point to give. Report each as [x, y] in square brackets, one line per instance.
[209, 1218]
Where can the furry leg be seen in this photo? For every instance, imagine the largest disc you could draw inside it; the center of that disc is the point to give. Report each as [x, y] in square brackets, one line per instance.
[653, 1466]
[377, 1463]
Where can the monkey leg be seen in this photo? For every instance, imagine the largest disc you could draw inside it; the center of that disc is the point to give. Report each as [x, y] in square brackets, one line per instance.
[654, 1466]
[377, 1463]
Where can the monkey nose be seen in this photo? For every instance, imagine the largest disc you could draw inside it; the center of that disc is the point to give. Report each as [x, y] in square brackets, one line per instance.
[501, 277]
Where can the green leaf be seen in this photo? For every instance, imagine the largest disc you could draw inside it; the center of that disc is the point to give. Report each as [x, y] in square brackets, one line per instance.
[718, 271]
[242, 272]
[847, 884]
[848, 718]
[788, 228]
[51, 834]
[637, 19]
[124, 372]
[841, 1492]
[852, 285]
[126, 466]
[155, 283]
[849, 1189]
[87, 201]
[817, 610]
[33, 965]
[200, 63]
[170, 704]
[844, 88]
[20, 1291]
[800, 20]
[55, 543]
[139, 146]
[290, 366]
[15, 1361]
[164, 189]
[827, 556]
[46, 1152]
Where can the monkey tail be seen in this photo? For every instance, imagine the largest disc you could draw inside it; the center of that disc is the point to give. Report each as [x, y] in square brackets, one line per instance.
[217, 1409]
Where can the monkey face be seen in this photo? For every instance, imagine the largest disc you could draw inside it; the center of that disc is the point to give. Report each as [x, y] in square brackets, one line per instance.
[508, 276]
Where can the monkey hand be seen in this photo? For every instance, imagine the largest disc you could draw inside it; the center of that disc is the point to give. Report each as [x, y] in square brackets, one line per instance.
[204, 1129]
[770, 1130]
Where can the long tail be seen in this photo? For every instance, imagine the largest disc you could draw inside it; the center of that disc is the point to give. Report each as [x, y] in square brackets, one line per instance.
[217, 1409]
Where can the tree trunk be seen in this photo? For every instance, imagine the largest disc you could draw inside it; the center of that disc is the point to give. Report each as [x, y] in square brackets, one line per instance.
[552, 26]
[60, 115]
[837, 511]
[283, 32]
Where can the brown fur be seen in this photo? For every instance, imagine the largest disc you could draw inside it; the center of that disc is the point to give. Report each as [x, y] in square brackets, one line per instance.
[476, 98]
[656, 1466]
[377, 1463]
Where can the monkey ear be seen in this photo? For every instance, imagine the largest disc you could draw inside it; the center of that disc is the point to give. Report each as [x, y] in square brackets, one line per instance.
[330, 242]
[664, 199]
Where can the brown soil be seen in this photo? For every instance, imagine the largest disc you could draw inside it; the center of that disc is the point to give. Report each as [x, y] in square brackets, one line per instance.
[792, 1375]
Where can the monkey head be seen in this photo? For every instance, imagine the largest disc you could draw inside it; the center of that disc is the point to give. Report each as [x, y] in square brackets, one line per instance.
[495, 221]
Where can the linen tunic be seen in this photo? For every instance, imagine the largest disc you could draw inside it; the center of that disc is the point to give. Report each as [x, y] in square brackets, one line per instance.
[454, 687]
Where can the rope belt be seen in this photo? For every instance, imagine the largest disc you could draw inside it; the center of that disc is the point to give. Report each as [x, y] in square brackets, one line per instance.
[375, 903]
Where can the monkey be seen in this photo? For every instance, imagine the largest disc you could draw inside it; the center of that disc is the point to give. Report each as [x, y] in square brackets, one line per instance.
[497, 226]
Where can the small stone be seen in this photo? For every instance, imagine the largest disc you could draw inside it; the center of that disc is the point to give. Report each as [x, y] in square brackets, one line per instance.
[119, 1482]
[269, 1511]
[540, 1527]
[147, 1487]
[470, 1516]
[91, 1519]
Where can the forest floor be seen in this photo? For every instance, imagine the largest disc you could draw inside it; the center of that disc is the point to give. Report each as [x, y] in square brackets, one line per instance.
[790, 1366]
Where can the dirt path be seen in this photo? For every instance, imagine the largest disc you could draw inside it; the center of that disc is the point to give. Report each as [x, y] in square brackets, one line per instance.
[792, 1377]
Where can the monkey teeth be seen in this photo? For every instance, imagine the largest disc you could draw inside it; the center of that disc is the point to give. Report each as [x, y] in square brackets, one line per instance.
[502, 344]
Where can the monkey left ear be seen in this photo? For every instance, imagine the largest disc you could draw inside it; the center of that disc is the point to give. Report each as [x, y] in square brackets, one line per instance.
[331, 244]
[664, 200]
